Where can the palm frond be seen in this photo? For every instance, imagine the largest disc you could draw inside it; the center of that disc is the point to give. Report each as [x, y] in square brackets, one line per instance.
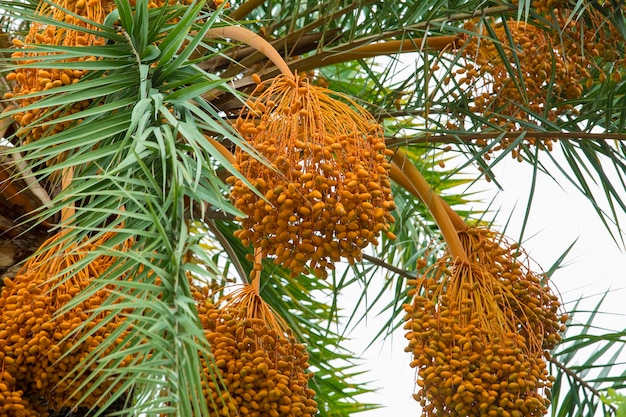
[138, 157]
[587, 364]
[133, 130]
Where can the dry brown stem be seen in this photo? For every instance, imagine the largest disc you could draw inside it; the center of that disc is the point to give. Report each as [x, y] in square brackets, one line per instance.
[389, 47]
[377, 261]
[22, 194]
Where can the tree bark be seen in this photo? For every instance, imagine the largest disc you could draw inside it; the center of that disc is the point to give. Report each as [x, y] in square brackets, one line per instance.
[21, 198]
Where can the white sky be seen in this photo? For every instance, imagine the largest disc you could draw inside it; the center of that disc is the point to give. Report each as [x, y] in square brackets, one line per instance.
[559, 216]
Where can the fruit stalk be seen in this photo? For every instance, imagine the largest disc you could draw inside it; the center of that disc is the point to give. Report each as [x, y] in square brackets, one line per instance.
[68, 211]
[404, 173]
[250, 38]
[258, 259]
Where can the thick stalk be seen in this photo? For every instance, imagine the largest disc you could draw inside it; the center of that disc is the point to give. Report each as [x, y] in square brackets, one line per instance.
[221, 149]
[67, 211]
[250, 38]
[407, 45]
[404, 173]
[400, 177]
[245, 9]
[457, 221]
[258, 261]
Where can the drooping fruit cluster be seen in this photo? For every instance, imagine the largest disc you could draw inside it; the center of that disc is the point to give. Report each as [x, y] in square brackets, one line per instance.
[13, 403]
[530, 72]
[462, 375]
[31, 80]
[321, 173]
[34, 79]
[259, 367]
[525, 293]
[40, 338]
[501, 95]
[479, 330]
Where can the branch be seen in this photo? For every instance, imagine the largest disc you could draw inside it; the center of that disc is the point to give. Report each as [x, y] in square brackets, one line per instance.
[349, 52]
[468, 137]
[394, 269]
[581, 381]
[314, 62]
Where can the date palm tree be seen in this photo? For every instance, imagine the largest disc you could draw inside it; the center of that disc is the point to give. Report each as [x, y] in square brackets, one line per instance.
[125, 147]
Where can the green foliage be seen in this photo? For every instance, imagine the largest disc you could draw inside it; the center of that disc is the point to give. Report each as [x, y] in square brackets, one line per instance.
[587, 362]
[143, 168]
[618, 400]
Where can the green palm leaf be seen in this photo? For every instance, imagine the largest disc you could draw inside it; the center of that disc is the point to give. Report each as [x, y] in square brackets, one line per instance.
[144, 171]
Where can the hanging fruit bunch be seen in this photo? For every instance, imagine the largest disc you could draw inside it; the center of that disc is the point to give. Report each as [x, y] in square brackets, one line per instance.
[259, 368]
[33, 79]
[39, 332]
[479, 330]
[481, 321]
[551, 68]
[500, 97]
[527, 294]
[317, 164]
[39, 347]
[321, 170]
